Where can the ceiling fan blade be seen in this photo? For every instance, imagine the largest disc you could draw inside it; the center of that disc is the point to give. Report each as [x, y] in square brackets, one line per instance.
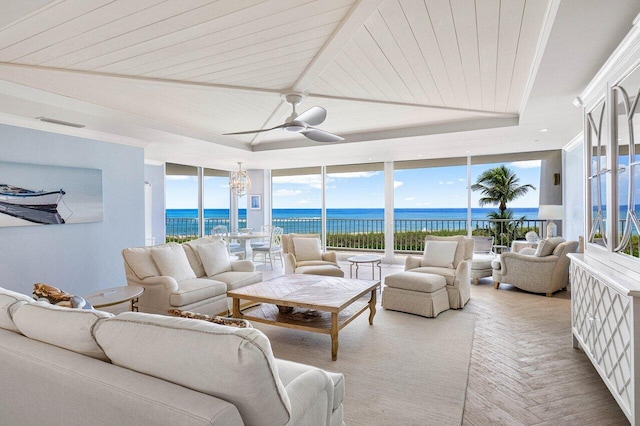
[313, 116]
[253, 131]
[321, 136]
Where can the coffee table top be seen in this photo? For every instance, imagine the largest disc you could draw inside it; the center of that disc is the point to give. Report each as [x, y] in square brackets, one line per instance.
[324, 293]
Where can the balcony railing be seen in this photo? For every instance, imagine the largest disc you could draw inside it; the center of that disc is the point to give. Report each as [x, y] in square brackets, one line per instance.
[368, 234]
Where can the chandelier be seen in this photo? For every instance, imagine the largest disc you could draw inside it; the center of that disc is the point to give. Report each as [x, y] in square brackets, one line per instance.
[239, 182]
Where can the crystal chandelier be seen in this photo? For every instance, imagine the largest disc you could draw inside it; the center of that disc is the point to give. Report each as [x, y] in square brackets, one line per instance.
[239, 181]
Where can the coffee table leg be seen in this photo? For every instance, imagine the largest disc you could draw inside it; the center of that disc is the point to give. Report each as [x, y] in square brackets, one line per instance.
[334, 336]
[372, 306]
[236, 308]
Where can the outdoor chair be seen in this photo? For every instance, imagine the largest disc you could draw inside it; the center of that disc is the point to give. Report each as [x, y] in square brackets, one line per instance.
[223, 232]
[272, 248]
[483, 255]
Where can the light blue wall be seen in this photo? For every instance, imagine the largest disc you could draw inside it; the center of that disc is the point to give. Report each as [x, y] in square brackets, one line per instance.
[573, 184]
[79, 258]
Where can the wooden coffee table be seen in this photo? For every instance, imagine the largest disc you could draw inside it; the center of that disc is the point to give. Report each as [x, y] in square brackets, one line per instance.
[334, 303]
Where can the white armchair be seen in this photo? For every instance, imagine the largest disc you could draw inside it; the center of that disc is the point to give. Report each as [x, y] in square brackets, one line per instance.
[307, 257]
[544, 270]
[457, 276]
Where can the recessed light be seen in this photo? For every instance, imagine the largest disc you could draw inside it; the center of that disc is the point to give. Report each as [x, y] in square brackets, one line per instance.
[544, 130]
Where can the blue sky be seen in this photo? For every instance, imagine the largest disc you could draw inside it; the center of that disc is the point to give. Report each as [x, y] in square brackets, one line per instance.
[443, 187]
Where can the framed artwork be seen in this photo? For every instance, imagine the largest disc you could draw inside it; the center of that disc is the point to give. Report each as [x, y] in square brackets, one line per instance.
[254, 202]
[34, 194]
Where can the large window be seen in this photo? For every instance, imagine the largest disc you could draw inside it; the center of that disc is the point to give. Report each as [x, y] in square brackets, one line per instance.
[216, 199]
[297, 200]
[181, 198]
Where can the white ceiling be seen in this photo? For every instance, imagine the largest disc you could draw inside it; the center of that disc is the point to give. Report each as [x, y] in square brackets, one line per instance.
[400, 79]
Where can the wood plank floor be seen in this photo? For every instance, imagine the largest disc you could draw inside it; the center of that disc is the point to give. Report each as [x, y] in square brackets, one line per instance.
[523, 369]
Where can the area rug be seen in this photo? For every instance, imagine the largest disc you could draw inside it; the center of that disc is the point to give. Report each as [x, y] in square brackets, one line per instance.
[403, 370]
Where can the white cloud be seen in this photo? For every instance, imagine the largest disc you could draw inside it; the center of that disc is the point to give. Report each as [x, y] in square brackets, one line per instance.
[449, 182]
[287, 192]
[298, 179]
[441, 182]
[462, 180]
[304, 202]
[397, 183]
[179, 177]
[529, 164]
[410, 198]
[351, 175]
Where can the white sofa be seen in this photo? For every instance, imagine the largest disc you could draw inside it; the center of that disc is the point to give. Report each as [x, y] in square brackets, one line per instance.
[63, 366]
[194, 276]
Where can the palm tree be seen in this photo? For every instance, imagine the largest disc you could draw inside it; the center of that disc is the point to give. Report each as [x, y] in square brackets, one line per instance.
[499, 186]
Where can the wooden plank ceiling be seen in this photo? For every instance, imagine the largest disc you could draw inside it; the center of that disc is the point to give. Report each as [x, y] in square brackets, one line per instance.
[222, 66]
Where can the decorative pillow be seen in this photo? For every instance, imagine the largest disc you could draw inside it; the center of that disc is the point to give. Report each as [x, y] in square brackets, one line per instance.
[140, 262]
[547, 246]
[172, 261]
[307, 249]
[190, 249]
[231, 322]
[214, 258]
[9, 301]
[439, 253]
[55, 296]
[234, 364]
[67, 328]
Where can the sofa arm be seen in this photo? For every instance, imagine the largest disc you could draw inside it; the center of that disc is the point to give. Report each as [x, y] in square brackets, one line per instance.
[169, 283]
[411, 263]
[289, 263]
[463, 274]
[330, 257]
[311, 398]
[243, 266]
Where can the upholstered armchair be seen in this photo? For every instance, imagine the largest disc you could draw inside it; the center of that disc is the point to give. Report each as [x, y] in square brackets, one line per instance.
[303, 255]
[456, 273]
[542, 270]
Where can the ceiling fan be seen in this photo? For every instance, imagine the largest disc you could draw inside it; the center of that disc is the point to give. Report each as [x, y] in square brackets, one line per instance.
[302, 123]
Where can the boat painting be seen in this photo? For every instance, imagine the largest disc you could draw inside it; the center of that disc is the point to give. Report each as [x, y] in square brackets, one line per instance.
[38, 194]
[35, 206]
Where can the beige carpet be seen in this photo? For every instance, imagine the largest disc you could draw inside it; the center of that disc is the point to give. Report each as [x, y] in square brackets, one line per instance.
[403, 370]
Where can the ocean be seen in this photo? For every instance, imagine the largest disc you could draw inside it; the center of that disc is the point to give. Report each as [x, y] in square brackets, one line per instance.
[182, 221]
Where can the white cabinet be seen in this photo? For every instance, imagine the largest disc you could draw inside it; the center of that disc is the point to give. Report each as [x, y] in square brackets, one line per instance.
[605, 320]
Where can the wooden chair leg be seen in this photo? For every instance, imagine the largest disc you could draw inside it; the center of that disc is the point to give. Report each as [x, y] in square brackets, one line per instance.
[475, 281]
[549, 294]
[496, 284]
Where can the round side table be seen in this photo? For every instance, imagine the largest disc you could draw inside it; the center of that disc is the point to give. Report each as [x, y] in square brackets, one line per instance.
[116, 295]
[365, 258]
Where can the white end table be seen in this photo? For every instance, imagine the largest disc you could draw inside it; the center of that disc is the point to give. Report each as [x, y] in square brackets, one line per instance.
[365, 258]
[115, 296]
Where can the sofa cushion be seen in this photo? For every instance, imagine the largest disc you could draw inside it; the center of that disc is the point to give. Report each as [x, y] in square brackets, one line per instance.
[67, 328]
[214, 257]
[9, 301]
[190, 249]
[235, 279]
[547, 246]
[233, 364]
[330, 270]
[416, 281]
[482, 261]
[439, 253]
[196, 290]
[140, 261]
[172, 261]
[448, 273]
[307, 248]
[314, 263]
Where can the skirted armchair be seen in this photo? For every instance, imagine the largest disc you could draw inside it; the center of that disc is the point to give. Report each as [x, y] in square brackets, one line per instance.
[306, 257]
[542, 270]
[457, 275]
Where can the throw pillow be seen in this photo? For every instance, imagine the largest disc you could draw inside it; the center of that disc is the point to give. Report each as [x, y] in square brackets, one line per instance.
[439, 253]
[214, 258]
[231, 322]
[55, 296]
[172, 261]
[71, 329]
[547, 246]
[307, 249]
